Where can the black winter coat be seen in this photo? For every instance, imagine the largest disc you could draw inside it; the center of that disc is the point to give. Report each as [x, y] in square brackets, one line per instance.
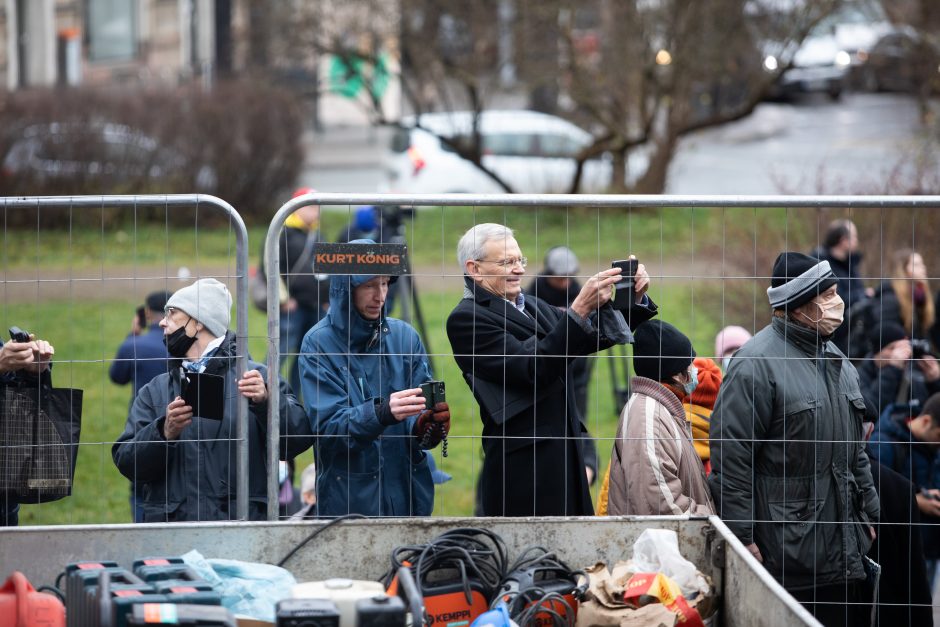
[904, 596]
[533, 460]
[193, 478]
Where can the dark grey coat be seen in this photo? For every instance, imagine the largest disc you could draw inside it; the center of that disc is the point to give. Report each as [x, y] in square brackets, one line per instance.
[193, 478]
[789, 466]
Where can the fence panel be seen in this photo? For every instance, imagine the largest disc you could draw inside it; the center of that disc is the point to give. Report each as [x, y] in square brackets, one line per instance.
[77, 254]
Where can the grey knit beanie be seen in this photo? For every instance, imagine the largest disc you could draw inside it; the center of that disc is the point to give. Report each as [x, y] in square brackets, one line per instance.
[208, 301]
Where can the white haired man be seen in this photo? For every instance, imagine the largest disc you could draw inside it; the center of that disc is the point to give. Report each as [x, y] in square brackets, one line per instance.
[516, 352]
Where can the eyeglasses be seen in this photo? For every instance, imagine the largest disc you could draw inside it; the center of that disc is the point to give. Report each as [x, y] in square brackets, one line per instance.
[508, 263]
[169, 311]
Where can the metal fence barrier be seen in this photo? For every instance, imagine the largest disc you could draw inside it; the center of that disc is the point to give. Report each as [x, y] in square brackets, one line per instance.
[524, 203]
[87, 203]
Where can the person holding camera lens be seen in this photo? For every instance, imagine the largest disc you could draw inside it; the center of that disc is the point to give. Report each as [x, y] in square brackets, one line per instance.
[516, 354]
[24, 359]
[898, 371]
[362, 374]
[181, 458]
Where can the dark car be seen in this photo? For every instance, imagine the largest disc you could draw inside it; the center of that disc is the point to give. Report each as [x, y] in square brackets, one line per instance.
[106, 156]
[902, 61]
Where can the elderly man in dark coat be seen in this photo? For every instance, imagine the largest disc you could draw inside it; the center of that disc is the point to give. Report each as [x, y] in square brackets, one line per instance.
[789, 470]
[516, 353]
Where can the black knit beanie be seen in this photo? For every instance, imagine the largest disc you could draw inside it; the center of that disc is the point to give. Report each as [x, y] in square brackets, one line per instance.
[798, 279]
[660, 350]
[886, 333]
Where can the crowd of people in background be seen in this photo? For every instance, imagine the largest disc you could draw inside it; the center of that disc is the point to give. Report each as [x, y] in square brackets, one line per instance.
[815, 439]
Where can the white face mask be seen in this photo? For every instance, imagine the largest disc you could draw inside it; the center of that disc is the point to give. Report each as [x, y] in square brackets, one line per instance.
[725, 362]
[831, 315]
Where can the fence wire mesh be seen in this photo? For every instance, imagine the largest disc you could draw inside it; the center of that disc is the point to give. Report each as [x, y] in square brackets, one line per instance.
[784, 443]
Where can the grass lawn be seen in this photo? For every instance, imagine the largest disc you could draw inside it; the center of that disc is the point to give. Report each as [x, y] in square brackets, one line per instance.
[86, 319]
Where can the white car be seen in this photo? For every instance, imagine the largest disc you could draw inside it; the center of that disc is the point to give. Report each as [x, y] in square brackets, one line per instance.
[533, 152]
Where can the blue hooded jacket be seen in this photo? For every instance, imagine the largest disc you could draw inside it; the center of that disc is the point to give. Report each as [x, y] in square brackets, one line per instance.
[349, 366]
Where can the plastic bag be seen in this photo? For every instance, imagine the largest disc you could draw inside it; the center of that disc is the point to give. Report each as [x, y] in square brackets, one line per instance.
[247, 588]
[657, 551]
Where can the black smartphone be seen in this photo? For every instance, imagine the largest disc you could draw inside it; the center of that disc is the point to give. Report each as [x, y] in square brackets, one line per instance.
[433, 392]
[142, 318]
[623, 294]
[18, 335]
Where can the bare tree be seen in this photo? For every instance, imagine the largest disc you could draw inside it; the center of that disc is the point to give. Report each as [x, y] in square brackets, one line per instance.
[923, 17]
[637, 75]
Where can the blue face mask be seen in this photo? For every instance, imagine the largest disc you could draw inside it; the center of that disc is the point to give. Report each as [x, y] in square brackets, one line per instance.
[689, 387]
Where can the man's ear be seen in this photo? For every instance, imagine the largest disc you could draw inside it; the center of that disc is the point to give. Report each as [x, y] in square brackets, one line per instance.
[470, 267]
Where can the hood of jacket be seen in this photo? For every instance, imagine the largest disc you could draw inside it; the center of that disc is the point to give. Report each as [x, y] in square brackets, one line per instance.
[344, 316]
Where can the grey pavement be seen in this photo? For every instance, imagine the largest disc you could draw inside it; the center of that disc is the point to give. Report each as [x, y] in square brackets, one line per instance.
[344, 159]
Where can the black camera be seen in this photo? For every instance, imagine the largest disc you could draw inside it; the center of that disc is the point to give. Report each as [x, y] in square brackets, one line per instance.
[19, 335]
[623, 294]
[919, 348]
[433, 392]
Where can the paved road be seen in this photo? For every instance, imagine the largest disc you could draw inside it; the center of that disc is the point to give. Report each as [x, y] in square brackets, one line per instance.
[812, 146]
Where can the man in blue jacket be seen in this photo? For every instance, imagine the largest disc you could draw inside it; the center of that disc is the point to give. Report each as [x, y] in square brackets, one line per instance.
[182, 463]
[360, 373]
[908, 445]
[142, 355]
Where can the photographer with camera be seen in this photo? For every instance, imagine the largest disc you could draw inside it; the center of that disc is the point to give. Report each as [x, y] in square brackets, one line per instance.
[516, 353]
[23, 359]
[142, 355]
[362, 374]
[898, 370]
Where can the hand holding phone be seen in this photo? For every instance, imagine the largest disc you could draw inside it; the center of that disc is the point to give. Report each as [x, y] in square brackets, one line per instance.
[623, 295]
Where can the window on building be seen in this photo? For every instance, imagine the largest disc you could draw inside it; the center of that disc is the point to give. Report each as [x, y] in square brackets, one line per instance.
[112, 30]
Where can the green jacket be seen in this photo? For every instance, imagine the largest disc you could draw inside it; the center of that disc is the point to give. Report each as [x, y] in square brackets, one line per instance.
[789, 467]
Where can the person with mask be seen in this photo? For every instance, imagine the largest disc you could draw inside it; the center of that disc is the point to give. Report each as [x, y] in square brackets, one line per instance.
[789, 471]
[183, 465]
[727, 343]
[361, 371]
[654, 469]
